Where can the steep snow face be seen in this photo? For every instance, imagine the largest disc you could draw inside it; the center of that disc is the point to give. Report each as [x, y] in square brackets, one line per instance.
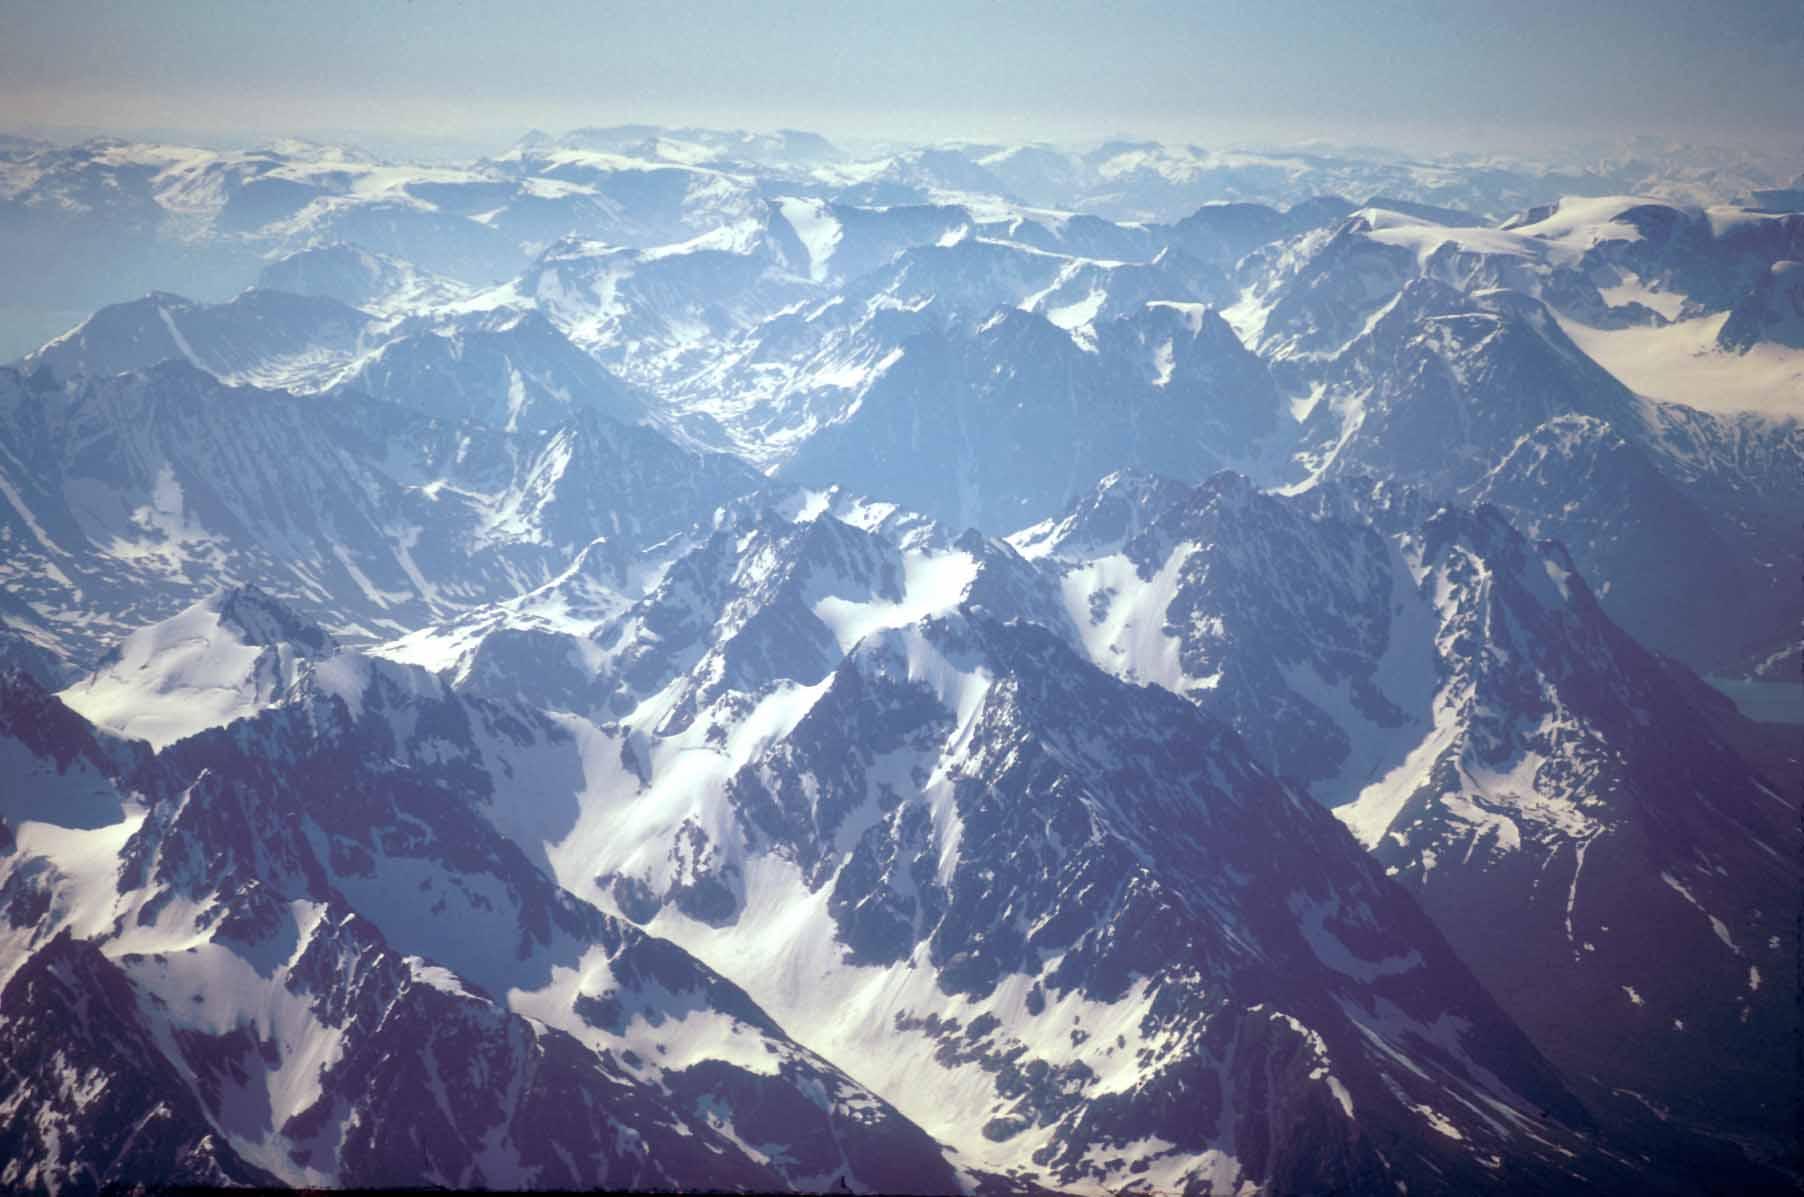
[224, 658]
[1457, 697]
[817, 229]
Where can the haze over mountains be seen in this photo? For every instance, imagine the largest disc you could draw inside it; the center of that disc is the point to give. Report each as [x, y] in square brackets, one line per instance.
[678, 658]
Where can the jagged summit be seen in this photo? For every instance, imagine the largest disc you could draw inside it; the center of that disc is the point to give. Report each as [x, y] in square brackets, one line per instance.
[673, 658]
[225, 657]
[1454, 692]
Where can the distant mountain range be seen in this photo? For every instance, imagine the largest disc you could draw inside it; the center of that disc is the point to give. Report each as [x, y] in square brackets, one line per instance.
[673, 659]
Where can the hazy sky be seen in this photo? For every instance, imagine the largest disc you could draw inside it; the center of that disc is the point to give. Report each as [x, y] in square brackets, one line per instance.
[1494, 75]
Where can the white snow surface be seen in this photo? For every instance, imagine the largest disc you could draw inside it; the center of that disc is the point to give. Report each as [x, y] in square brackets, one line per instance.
[817, 229]
[183, 675]
[1681, 363]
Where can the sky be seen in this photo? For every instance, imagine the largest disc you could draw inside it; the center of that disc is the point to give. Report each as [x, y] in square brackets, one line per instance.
[1423, 75]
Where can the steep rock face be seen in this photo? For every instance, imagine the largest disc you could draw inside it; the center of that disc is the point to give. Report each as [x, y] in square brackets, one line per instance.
[323, 960]
[940, 845]
[131, 497]
[1225, 232]
[1772, 312]
[260, 338]
[1645, 534]
[28, 648]
[1485, 398]
[1458, 697]
[91, 1103]
[513, 371]
[997, 428]
[1608, 753]
[1441, 385]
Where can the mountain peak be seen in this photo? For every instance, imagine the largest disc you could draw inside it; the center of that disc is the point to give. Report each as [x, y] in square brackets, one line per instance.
[260, 618]
[227, 656]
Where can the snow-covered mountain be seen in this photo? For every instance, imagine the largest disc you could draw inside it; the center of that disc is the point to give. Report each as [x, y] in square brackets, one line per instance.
[1772, 311]
[358, 278]
[759, 340]
[624, 199]
[1486, 397]
[511, 370]
[130, 497]
[610, 665]
[294, 997]
[260, 338]
[1007, 422]
[1608, 262]
[781, 148]
[1558, 798]
[226, 657]
[661, 314]
[505, 368]
[809, 743]
[1466, 791]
